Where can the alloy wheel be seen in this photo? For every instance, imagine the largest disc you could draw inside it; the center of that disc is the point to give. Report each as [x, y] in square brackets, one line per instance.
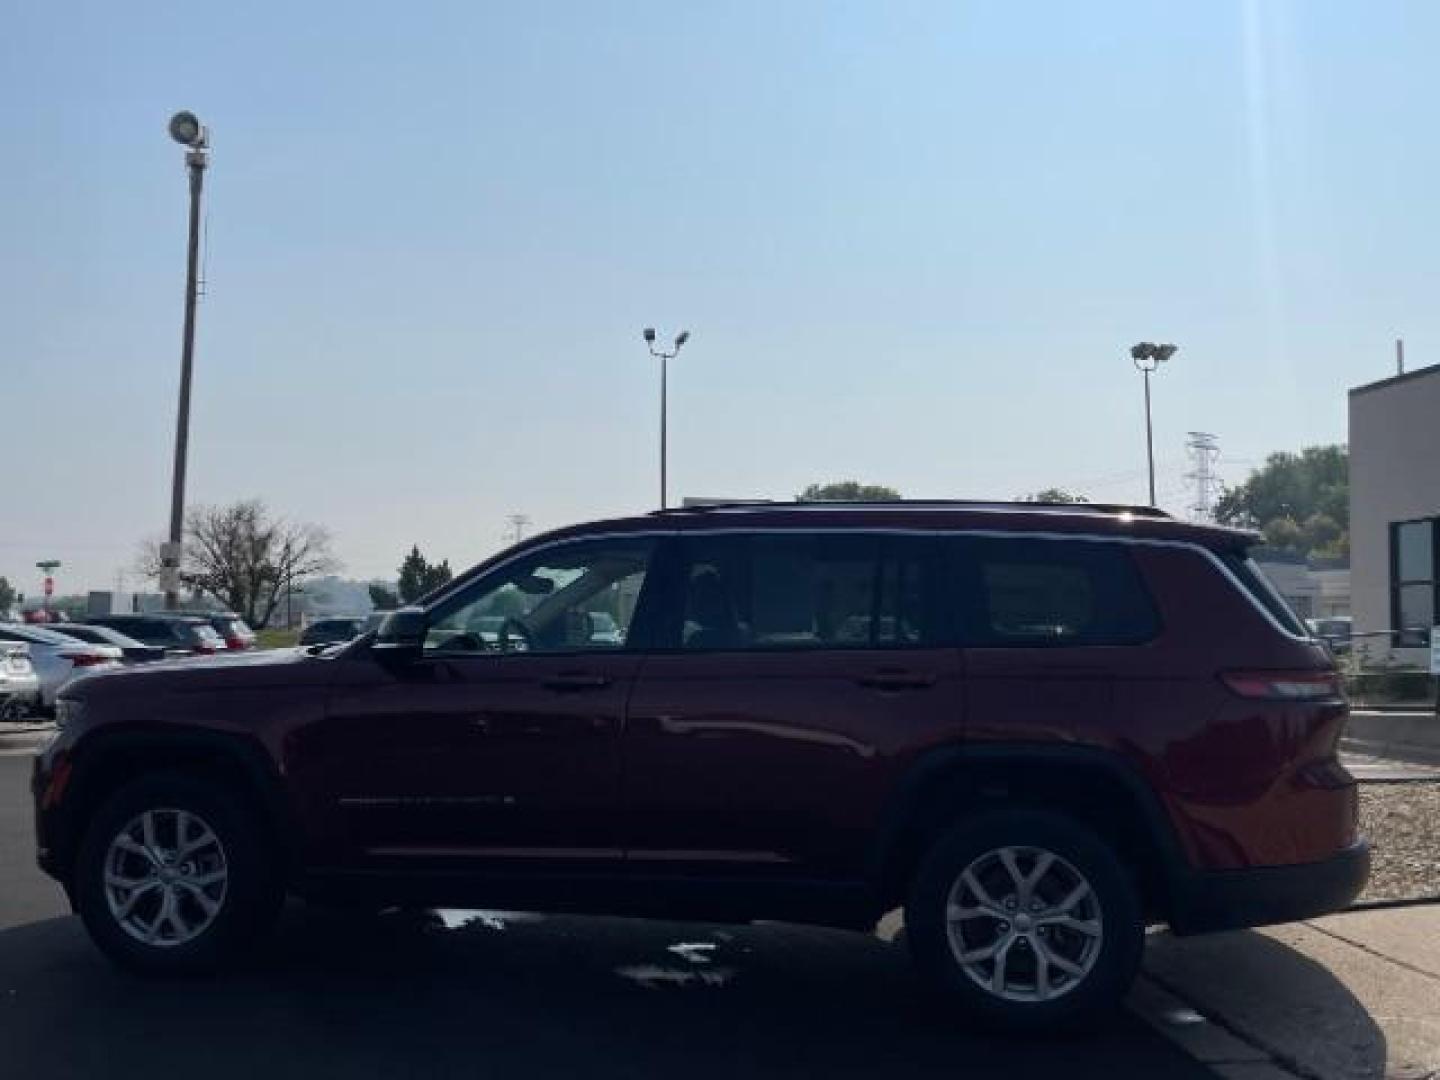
[1024, 924]
[165, 877]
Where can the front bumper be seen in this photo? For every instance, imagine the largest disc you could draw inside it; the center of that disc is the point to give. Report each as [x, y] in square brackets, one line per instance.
[1204, 901]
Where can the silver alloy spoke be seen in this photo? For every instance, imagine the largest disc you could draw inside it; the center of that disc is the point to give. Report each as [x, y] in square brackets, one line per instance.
[1043, 988]
[1067, 966]
[128, 904]
[1080, 892]
[1012, 867]
[959, 913]
[985, 952]
[1088, 927]
[213, 878]
[973, 883]
[147, 830]
[120, 881]
[125, 843]
[209, 906]
[1043, 862]
[997, 977]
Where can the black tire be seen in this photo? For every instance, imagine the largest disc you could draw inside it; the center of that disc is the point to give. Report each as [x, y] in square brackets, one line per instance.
[248, 902]
[1108, 959]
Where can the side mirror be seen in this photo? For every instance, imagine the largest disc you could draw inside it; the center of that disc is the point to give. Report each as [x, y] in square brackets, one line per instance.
[401, 635]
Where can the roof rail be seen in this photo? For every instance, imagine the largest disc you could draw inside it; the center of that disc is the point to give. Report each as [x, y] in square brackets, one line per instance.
[919, 504]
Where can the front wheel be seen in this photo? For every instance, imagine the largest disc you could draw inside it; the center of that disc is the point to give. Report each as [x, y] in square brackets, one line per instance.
[1029, 920]
[172, 876]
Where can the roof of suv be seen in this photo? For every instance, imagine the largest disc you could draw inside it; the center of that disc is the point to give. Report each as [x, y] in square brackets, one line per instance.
[1094, 518]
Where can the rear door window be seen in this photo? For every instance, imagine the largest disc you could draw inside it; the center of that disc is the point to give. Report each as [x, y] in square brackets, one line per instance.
[1042, 592]
[768, 591]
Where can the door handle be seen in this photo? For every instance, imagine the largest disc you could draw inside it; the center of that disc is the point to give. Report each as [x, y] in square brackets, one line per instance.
[570, 682]
[897, 680]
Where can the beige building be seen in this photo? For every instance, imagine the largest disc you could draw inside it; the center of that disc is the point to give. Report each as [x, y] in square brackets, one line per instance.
[1395, 512]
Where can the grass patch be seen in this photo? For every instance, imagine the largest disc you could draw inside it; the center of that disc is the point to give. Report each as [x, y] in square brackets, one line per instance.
[277, 638]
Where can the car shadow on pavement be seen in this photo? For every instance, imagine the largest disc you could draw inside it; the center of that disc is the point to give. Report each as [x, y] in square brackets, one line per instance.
[1273, 996]
[466, 994]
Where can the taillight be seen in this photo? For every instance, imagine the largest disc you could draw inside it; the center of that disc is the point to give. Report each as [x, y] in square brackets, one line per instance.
[85, 659]
[1284, 685]
[234, 643]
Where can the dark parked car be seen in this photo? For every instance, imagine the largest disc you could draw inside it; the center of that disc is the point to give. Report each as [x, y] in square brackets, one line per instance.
[178, 635]
[1035, 728]
[233, 630]
[331, 630]
[133, 651]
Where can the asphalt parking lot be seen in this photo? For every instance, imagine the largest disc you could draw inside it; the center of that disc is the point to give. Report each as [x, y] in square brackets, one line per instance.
[452, 994]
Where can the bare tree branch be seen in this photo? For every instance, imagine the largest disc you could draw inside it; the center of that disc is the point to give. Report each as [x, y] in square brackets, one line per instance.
[245, 558]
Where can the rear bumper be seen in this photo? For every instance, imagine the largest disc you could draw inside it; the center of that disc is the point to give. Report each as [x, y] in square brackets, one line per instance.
[1230, 899]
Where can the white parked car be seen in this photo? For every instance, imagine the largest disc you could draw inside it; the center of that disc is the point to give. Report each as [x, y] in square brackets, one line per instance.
[19, 685]
[57, 658]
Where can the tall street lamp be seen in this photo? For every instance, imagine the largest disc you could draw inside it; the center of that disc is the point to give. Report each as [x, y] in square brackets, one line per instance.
[186, 130]
[664, 357]
[1147, 358]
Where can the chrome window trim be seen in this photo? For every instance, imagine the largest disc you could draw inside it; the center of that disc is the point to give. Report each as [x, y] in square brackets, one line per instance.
[1009, 534]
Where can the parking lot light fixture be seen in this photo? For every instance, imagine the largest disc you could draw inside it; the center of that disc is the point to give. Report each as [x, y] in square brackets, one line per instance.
[1147, 357]
[664, 357]
[186, 129]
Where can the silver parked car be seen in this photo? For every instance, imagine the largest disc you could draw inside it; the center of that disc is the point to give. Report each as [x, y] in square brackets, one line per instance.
[58, 658]
[19, 685]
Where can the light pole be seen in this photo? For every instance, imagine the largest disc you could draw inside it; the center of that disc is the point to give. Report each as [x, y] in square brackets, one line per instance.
[665, 358]
[186, 130]
[1147, 358]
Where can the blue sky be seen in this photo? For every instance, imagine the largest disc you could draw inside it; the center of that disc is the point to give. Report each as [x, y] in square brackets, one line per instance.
[913, 242]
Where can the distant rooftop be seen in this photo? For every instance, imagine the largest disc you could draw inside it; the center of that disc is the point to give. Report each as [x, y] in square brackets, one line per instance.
[1393, 380]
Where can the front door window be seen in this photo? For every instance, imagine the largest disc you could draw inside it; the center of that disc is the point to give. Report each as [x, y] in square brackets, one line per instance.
[578, 597]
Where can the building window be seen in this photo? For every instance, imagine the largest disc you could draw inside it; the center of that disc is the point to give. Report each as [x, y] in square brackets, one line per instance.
[1413, 577]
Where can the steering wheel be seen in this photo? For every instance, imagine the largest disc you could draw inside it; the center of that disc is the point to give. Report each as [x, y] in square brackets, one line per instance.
[518, 642]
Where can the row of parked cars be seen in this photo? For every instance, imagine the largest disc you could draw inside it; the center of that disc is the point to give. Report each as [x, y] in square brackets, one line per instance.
[37, 660]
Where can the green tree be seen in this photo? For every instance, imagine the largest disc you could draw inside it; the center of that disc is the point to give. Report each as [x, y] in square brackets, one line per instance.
[7, 596]
[418, 576]
[1309, 490]
[848, 491]
[1053, 495]
[382, 598]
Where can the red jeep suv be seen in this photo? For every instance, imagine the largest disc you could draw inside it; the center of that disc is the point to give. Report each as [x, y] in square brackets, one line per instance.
[1035, 728]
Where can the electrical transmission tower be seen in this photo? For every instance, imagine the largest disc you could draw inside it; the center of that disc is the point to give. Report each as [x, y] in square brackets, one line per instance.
[1203, 451]
[518, 524]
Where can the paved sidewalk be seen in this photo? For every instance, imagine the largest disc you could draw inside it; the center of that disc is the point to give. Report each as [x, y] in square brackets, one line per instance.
[1345, 997]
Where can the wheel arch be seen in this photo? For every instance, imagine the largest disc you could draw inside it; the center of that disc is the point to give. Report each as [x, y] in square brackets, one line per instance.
[112, 760]
[1093, 786]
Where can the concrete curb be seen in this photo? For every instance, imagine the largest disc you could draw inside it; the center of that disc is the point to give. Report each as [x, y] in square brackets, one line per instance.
[1405, 736]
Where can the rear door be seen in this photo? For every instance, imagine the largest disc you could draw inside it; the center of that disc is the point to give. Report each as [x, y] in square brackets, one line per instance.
[1048, 626]
[796, 672]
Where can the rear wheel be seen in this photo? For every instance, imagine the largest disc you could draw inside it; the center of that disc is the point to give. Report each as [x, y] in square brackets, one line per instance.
[172, 876]
[1027, 919]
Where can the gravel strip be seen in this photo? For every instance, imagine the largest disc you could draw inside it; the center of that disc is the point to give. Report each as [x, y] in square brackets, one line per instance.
[1403, 824]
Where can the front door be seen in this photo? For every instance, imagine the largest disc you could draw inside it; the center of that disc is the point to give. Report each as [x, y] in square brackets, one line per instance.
[801, 673]
[499, 747]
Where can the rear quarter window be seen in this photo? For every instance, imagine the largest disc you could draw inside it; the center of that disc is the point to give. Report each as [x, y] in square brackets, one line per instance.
[1037, 593]
[1254, 582]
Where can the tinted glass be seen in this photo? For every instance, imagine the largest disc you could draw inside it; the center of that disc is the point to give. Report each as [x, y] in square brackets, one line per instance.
[1415, 613]
[801, 591]
[1023, 592]
[1258, 587]
[1415, 551]
[567, 598]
